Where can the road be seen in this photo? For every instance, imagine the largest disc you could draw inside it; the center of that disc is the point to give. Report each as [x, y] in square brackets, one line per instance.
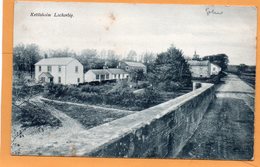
[227, 128]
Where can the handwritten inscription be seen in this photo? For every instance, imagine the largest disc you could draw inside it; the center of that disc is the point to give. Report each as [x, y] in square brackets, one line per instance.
[41, 14]
[210, 11]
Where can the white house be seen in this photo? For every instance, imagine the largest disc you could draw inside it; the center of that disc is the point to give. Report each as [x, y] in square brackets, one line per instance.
[108, 74]
[60, 70]
[116, 73]
[203, 68]
[214, 69]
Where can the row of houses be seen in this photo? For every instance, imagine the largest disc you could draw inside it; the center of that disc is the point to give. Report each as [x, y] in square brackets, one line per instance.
[67, 70]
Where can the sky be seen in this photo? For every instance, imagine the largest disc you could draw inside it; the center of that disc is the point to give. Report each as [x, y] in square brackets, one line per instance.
[140, 27]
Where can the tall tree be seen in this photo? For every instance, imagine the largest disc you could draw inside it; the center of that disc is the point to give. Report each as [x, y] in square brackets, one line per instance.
[218, 59]
[131, 56]
[137, 75]
[148, 59]
[90, 60]
[24, 57]
[170, 68]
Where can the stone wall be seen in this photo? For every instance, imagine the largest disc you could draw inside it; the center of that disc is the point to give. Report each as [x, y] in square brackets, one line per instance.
[160, 131]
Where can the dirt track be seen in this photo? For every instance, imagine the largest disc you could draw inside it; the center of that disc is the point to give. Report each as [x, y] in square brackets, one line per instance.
[226, 131]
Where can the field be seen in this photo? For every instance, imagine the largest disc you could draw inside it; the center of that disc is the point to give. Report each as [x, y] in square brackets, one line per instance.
[249, 78]
[88, 116]
[111, 95]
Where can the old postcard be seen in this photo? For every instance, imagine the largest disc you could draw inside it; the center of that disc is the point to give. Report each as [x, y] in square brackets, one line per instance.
[133, 80]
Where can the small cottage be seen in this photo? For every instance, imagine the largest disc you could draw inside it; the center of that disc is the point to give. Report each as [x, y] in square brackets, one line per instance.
[131, 66]
[107, 74]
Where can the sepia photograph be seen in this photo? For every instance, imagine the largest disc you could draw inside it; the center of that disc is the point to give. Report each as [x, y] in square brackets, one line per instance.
[122, 80]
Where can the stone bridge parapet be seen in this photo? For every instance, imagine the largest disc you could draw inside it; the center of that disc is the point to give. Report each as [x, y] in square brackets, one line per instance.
[160, 131]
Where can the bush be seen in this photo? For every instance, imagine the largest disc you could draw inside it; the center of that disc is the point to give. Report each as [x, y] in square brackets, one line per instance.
[197, 85]
[25, 90]
[34, 116]
[89, 88]
[149, 98]
[169, 86]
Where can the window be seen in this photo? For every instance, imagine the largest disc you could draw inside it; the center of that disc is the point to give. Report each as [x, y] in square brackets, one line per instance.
[97, 77]
[59, 68]
[114, 76]
[78, 80]
[59, 80]
[118, 76]
[49, 68]
[102, 77]
[214, 68]
[40, 68]
[127, 68]
[107, 76]
[76, 69]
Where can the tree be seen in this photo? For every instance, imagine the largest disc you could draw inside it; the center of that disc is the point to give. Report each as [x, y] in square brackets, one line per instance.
[62, 53]
[242, 68]
[171, 69]
[131, 56]
[110, 57]
[33, 56]
[112, 62]
[90, 60]
[148, 59]
[24, 58]
[137, 75]
[218, 59]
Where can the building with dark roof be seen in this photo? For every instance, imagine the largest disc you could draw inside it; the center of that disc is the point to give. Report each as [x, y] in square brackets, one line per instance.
[132, 66]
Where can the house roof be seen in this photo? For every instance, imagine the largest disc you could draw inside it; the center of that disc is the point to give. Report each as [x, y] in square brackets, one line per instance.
[107, 71]
[55, 61]
[198, 63]
[99, 71]
[134, 64]
[47, 74]
[116, 71]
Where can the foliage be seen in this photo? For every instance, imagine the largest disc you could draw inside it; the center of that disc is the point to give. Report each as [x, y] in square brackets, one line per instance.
[170, 68]
[148, 58]
[90, 59]
[137, 75]
[24, 57]
[26, 91]
[242, 68]
[115, 95]
[218, 59]
[170, 86]
[131, 56]
[149, 98]
[60, 53]
[31, 115]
